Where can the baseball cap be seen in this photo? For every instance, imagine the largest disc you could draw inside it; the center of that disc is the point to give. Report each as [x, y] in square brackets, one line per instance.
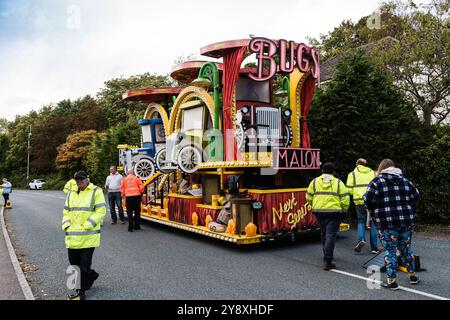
[80, 175]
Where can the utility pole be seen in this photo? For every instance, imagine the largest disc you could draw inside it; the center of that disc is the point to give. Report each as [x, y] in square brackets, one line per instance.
[28, 161]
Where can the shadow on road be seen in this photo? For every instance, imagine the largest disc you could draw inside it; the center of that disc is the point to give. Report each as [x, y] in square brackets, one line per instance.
[308, 238]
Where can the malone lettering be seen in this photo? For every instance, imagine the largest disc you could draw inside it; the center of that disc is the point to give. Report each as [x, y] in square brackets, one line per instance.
[296, 158]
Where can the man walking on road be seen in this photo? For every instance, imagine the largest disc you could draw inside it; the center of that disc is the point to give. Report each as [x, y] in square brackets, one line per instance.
[329, 200]
[112, 184]
[131, 189]
[83, 213]
[357, 182]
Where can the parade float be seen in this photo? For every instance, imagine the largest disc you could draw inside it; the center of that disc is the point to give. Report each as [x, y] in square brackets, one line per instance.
[220, 170]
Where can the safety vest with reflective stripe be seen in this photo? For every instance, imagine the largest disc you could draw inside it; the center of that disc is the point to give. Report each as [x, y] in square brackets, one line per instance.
[82, 217]
[71, 185]
[327, 194]
[131, 186]
[357, 182]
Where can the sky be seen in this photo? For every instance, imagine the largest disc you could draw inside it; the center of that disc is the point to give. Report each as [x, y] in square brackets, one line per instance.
[57, 49]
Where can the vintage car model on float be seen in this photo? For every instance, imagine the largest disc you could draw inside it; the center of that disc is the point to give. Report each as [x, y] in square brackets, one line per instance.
[153, 128]
[235, 133]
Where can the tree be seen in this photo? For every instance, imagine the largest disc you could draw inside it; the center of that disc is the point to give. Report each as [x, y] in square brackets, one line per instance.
[4, 123]
[103, 151]
[418, 57]
[4, 145]
[360, 113]
[90, 115]
[73, 153]
[430, 171]
[16, 155]
[47, 136]
[420, 60]
[115, 108]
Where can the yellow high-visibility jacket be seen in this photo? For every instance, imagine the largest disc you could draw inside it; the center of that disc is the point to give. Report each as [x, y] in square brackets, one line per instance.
[82, 217]
[71, 185]
[357, 182]
[327, 194]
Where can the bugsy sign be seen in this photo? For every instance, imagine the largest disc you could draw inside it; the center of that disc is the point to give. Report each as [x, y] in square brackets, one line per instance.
[291, 54]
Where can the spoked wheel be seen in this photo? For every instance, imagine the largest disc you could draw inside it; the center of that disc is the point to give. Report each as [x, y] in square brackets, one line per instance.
[188, 159]
[144, 169]
[160, 159]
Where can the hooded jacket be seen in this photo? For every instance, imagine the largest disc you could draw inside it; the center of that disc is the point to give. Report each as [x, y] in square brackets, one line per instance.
[357, 182]
[328, 194]
[390, 198]
[82, 217]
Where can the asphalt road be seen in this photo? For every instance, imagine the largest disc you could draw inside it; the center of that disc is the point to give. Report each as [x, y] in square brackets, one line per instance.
[158, 262]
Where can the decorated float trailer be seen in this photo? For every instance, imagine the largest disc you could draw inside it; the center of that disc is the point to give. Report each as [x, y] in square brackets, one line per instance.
[229, 148]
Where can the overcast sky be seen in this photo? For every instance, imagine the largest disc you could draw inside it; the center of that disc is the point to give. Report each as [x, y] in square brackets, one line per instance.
[56, 49]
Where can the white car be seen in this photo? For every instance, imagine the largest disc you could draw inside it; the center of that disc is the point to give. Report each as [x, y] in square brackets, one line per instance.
[36, 184]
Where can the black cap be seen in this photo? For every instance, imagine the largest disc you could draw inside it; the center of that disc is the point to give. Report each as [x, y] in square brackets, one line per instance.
[80, 175]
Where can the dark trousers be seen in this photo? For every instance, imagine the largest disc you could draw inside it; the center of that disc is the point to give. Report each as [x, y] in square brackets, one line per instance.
[82, 258]
[6, 197]
[329, 226]
[114, 200]
[134, 209]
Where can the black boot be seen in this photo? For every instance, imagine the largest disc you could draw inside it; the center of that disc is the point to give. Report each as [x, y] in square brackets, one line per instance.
[79, 295]
[328, 265]
[92, 277]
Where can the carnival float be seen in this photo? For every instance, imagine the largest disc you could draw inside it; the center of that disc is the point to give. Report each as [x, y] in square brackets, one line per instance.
[216, 152]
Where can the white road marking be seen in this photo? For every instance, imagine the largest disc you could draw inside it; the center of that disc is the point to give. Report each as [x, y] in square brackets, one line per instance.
[402, 288]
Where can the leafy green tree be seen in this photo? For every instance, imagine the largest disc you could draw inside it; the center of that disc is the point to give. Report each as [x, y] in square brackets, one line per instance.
[103, 151]
[4, 123]
[65, 107]
[417, 54]
[72, 154]
[16, 155]
[89, 116]
[360, 113]
[47, 137]
[115, 108]
[4, 146]
[430, 171]
[420, 59]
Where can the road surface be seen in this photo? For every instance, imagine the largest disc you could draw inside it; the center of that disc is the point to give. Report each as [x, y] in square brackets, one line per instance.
[158, 262]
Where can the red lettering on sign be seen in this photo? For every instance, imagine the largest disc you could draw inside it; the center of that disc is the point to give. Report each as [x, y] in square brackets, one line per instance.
[264, 49]
[306, 58]
[315, 56]
[302, 60]
[283, 47]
